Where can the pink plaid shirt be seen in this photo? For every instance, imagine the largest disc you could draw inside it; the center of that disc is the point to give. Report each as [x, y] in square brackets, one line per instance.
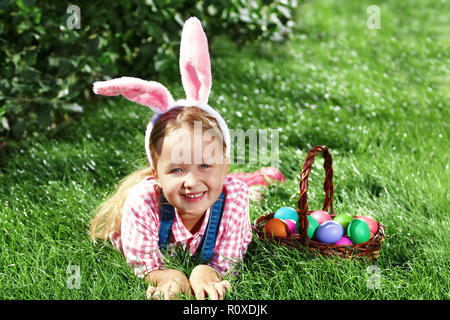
[138, 237]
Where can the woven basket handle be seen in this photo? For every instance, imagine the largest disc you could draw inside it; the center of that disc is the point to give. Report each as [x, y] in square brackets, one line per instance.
[327, 186]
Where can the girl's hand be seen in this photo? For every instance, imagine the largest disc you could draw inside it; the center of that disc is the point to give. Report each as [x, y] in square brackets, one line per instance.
[168, 283]
[204, 279]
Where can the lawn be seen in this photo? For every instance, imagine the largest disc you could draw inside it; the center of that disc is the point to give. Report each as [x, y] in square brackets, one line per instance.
[378, 98]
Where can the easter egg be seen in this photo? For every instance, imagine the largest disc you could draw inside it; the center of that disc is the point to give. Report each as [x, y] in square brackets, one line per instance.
[321, 216]
[373, 225]
[329, 232]
[344, 241]
[344, 219]
[312, 226]
[276, 227]
[358, 231]
[291, 225]
[286, 213]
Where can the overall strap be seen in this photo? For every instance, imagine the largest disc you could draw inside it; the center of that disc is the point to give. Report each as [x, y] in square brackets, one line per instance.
[205, 248]
[166, 216]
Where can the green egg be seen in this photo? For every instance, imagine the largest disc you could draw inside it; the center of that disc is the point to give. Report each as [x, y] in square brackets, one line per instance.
[358, 231]
[344, 219]
[312, 226]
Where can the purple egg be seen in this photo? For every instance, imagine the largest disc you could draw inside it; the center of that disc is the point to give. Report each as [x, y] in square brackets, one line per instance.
[329, 232]
[344, 241]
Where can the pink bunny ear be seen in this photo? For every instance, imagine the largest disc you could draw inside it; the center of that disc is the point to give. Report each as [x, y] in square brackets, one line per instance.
[148, 93]
[195, 65]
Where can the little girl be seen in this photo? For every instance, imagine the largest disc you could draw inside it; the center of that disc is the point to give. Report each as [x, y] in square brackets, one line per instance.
[186, 195]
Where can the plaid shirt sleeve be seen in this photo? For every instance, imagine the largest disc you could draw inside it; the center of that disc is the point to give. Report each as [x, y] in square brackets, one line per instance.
[139, 229]
[234, 232]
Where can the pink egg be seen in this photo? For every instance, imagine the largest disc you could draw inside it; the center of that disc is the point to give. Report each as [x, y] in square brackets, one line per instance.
[321, 216]
[373, 225]
[291, 225]
[344, 241]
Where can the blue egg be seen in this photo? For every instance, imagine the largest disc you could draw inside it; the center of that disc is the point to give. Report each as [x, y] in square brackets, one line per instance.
[329, 232]
[286, 213]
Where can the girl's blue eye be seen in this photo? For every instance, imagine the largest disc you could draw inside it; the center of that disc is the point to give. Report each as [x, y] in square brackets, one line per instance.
[204, 166]
[176, 170]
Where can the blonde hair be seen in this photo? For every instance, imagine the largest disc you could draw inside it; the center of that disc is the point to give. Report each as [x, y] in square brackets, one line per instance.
[108, 214]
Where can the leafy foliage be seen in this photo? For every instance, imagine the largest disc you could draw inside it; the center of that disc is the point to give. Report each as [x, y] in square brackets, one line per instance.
[49, 59]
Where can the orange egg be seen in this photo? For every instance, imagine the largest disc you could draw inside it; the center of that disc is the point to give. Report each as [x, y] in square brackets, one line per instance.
[276, 227]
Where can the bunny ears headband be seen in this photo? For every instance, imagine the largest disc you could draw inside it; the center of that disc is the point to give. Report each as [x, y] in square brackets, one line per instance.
[195, 69]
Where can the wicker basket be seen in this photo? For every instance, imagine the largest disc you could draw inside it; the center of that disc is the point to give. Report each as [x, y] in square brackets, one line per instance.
[369, 249]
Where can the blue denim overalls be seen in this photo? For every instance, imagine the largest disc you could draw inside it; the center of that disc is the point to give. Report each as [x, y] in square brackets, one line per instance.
[205, 248]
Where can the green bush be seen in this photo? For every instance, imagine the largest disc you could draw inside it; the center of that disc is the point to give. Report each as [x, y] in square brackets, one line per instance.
[48, 67]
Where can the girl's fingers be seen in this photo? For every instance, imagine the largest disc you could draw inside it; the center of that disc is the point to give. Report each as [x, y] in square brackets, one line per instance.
[172, 290]
[220, 290]
[226, 284]
[215, 291]
[199, 294]
[212, 292]
[150, 291]
[165, 292]
[159, 293]
[154, 293]
[222, 287]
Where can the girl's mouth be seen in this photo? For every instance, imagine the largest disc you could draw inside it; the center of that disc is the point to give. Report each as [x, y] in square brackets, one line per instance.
[194, 197]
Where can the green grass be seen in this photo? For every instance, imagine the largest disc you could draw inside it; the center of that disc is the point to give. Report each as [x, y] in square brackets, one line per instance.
[377, 98]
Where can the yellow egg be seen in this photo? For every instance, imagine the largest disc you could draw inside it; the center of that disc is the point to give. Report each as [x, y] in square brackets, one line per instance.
[276, 227]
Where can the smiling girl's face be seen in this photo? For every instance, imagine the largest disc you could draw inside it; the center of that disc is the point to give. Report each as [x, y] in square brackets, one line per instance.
[193, 185]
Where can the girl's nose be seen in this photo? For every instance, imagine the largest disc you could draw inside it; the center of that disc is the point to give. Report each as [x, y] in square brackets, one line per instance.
[191, 180]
